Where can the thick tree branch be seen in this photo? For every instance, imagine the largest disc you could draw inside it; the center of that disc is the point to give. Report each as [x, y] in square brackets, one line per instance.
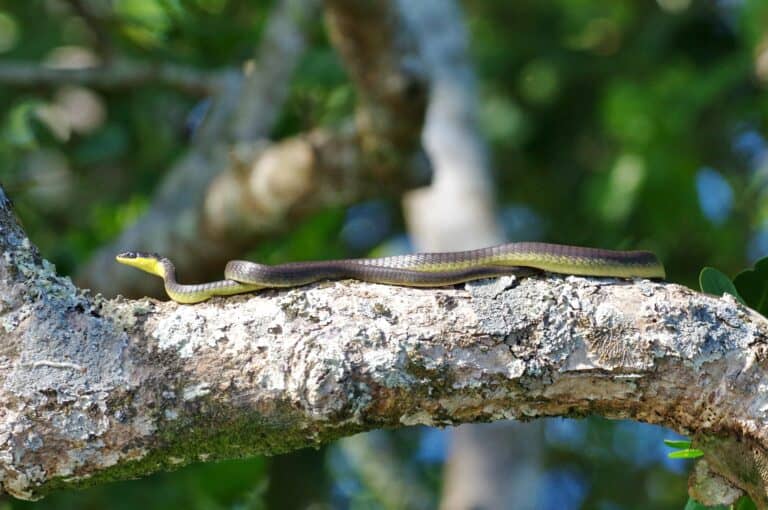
[271, 187]
[382, 55]
[96, 389]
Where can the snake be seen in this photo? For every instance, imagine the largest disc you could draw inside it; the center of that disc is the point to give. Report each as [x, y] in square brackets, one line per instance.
[414, 270]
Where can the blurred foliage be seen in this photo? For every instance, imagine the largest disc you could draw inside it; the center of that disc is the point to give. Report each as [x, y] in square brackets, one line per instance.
[231, 485]
[645, 99]
[613, 123]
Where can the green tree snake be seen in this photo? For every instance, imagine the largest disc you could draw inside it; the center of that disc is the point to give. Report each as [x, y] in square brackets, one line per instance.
[416, 270]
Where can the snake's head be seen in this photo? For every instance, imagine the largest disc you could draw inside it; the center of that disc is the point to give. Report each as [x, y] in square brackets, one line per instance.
[152, 263]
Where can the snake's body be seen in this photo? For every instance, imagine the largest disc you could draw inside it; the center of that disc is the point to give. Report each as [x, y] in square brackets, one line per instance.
[417, 270]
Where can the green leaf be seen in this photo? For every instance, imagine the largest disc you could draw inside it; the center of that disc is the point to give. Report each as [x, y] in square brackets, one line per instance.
[680, 444]
[752, 284]
[692, 504]
[146, 22]
[715, 282]
[695, 505]
[688, 453]
[745, 503]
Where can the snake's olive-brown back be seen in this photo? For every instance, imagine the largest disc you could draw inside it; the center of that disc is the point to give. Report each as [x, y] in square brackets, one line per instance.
[430, 269]
[417, 270]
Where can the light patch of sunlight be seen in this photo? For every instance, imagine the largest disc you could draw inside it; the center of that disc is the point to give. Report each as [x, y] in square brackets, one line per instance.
[626, 179]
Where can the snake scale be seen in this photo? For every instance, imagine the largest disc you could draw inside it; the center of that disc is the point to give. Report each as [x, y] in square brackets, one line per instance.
[416, 270]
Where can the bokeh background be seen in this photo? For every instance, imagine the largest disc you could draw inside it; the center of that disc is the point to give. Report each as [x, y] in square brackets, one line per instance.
[613, 123]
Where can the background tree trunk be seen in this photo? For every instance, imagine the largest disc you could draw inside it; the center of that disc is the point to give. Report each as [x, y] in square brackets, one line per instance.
[488, 466]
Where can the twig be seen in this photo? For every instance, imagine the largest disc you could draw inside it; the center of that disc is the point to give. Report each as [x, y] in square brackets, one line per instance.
[119, 74]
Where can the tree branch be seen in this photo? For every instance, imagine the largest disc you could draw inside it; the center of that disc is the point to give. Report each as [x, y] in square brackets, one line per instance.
[382, 56]
[118, 74]
[96, 389]
[270, 188]
[263, 94]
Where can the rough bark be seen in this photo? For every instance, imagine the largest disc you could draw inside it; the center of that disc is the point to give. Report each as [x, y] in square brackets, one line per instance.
[96, 389]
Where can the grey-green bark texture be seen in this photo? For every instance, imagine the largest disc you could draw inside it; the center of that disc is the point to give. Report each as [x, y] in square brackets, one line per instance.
[96, 389]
